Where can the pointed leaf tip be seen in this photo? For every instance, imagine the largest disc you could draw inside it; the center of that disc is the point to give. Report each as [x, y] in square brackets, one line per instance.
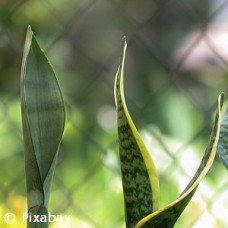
[139, 178]
[29, 33]
[29, 27]
[167, 216]
[124, 42]
[43, 118]
[221, 97]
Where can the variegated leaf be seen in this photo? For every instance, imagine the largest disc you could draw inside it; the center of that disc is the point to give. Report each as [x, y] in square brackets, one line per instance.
[223, 139]
[167, 216]
[139, 178]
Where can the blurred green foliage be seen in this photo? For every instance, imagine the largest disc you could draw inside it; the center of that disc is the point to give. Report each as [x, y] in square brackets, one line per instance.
[81, 39]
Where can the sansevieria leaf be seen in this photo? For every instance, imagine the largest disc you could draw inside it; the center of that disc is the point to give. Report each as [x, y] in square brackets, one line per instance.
[43, 118]
[166, 217]
[223, 139]
[139, 178]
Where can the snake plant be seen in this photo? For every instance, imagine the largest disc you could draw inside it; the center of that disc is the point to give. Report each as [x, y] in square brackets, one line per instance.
[43, 117]
[139, 177]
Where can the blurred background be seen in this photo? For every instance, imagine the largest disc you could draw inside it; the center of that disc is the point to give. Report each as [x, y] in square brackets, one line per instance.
[176, 66]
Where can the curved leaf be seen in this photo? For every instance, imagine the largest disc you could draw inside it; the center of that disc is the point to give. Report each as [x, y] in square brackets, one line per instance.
[167, 216]
[43, 118]
[139, 178]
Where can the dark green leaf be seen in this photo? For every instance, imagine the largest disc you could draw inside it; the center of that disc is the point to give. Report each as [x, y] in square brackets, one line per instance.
[139, 178]
[167, 216]
[43, 118]
[223, 139]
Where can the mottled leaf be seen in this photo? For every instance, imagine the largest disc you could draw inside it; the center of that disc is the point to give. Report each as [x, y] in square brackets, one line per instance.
[43, 118]
[167, 216]
[223, 139]
[139, 178]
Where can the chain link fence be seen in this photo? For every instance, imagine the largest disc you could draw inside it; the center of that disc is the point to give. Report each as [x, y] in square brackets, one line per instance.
[177, 64]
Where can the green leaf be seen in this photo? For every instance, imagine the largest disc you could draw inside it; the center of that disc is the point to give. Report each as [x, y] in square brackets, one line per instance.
[167, 216]
[139, 178]
[43, 118]
[223, 139]
[40, 210]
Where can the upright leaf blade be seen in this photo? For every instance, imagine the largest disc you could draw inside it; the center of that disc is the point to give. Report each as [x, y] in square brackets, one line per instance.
[223, 139]
[43, 118]
[167, 216]
[139, 178]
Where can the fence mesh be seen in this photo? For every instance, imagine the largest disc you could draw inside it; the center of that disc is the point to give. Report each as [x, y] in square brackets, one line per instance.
[177, 64]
